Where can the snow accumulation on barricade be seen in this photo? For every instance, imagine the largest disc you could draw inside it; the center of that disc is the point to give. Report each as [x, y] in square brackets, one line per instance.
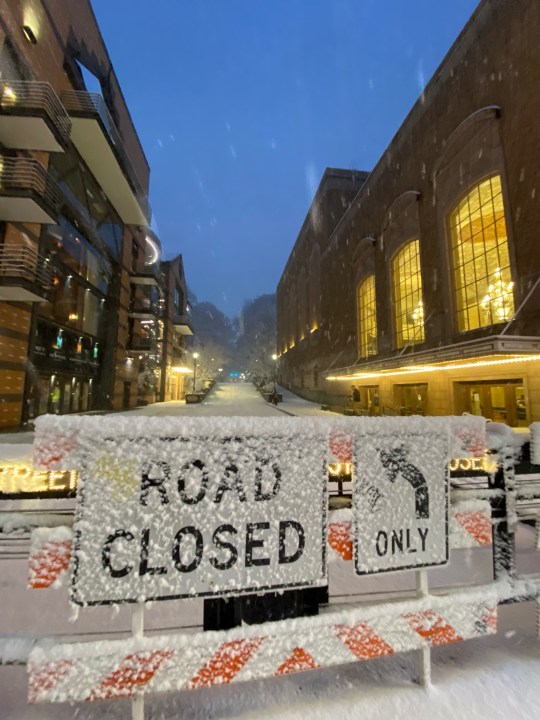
[499, 436]
[383, 614]
[56, 436]
[15, 522]
[535, 442]
[177, 662]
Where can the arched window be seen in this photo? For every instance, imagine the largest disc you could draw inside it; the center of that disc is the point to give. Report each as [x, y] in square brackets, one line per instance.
[303, 322]
[315, 288]
[408, 299]
[482, 277]
[292, 312]
[367, 317]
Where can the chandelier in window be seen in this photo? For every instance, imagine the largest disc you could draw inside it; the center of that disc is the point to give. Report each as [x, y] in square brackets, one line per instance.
[498, 302]
[418, 314]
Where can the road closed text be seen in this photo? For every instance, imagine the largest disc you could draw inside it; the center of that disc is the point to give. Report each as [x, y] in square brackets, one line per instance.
[199, 518]
[228, 545]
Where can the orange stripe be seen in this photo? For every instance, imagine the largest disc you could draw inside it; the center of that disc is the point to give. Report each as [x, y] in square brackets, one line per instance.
[433, 627]
[363, 641]
[48, 563]
[226, 663]
[46, 677]
[341, 446]
[477, 524]
[489, 619]
[135, 671]
[48, 453]
[340, 540]
[298, 661]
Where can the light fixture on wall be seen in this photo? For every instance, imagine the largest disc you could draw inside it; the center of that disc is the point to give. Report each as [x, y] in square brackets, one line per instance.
[29, 34]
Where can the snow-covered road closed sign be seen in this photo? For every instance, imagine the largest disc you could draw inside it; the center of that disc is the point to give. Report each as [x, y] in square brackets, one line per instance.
[212, 509]
[400, 497]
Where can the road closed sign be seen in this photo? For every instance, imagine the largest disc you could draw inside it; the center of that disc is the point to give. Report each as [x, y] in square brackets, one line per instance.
[400, 500]
[199, 515]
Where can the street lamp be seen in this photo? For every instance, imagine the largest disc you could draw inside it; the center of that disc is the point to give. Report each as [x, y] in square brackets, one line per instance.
[195, 356]
[274, 358]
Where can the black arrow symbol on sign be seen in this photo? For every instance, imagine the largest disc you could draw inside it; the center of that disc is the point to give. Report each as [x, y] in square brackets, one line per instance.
[395, 462]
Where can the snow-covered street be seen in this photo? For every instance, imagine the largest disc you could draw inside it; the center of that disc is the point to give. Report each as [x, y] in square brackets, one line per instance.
[234, 400]
[494, 676]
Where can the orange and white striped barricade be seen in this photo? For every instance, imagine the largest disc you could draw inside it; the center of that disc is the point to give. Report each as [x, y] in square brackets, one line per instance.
[127, 668]
[136, 665]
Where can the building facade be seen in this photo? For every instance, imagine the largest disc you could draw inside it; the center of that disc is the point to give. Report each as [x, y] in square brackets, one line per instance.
[176, 363]
[427, 287]
[80, 277]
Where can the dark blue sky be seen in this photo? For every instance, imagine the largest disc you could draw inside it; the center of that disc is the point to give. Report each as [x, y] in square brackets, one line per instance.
[241, 104]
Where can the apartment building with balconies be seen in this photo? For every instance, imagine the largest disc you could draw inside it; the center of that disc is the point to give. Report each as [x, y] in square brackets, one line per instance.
[81, 295]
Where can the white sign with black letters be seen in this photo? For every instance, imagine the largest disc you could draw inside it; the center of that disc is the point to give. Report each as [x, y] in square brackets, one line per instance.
[400, 501]
[163, 518]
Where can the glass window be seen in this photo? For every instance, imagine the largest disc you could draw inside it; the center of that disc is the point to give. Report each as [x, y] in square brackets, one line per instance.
[178, 300]
[74, 306]
[92, 313]
[69, 246]
[11, 67]
[482, 275]
[367, 317]
[408, 299]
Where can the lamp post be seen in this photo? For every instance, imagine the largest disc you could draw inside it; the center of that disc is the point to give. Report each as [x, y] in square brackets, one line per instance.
[195, 356]
[274, 358]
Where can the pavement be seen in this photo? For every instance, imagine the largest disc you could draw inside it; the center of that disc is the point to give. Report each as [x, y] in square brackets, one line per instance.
[295, 405]
[225, 399]
[234, 399]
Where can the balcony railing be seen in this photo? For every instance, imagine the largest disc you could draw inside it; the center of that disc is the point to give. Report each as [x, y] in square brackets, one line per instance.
[24, 266]
[142, 277]
[146, 307]
[26, 177]
[142, 344]
[35, 98]
[84, 104]
[183, 324]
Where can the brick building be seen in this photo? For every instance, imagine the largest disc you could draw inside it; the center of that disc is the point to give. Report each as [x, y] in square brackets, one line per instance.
[424, 289]
[175, 362]
[81, 289]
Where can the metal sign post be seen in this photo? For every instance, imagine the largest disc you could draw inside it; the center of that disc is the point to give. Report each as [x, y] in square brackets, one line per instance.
[422, 590]
[137, 630]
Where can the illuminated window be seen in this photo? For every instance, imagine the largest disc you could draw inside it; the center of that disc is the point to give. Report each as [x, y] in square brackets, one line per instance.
[482, 277]
[367, 317]
[408, 300]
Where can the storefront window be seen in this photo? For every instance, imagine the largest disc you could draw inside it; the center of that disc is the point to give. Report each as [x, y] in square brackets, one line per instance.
[408, 299]
[74, 306]
[482, 275]
[411, 399]
[502, 401]
[367, 317]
